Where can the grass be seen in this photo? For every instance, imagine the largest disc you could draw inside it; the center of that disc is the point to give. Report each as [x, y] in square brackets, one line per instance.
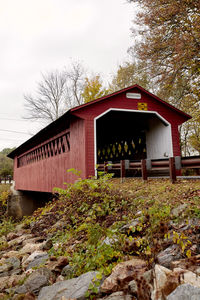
[87, 212]
[92, 210]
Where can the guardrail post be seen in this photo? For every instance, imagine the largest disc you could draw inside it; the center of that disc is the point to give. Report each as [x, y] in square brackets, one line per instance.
[172, 169]
[144, 169]
[148, 164]
[109, 165]
[127, 164]
[105, 167]
[122, 170]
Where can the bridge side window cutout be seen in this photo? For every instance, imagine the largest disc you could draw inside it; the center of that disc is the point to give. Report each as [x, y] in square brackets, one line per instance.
[52, 148]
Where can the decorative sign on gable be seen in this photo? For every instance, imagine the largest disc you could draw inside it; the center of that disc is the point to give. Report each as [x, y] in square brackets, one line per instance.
[142, 106]
[133, 95]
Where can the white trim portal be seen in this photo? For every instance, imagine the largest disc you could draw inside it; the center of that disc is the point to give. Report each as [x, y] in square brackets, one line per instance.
[166, 123]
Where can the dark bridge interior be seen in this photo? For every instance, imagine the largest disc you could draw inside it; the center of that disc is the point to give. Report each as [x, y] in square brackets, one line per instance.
[122, 135]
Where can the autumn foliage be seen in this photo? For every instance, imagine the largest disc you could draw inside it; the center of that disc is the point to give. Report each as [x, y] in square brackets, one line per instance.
[168, 34]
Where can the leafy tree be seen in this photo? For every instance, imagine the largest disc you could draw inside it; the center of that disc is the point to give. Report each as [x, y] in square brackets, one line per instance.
[170, 38]
[130, 73]
[6, 164]
[93, 89]
[169, 42]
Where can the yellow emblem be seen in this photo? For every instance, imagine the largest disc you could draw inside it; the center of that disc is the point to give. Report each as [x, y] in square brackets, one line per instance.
[142, 106]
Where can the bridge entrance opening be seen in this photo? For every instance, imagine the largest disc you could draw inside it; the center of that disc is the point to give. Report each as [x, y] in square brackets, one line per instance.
[131, 135]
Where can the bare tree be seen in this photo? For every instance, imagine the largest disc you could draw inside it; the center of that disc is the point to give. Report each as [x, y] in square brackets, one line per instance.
[75, 84]
[56, 93]
[49, 103]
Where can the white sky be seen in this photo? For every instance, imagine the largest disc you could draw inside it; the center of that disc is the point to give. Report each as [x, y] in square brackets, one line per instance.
[38, 36]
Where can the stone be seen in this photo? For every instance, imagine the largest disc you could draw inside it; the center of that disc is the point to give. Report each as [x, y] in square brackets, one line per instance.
[67, 271]
[123, 273]
[178, 210]
[36, 254]
[119, 296]
[170, 254]
[187, 277]
[37, 262]
[30, 248]
[20, 203]
[48, 245]
[185, 292]
[11, 281]
[35, 282]
[18, 240]
[4, 270]
[109, 241]
[197, 271]
[14, 262]
[148, 276]
[165, 282]
[60, 278]
[191, 264]
[11, 253]
[58, 265]
[35, 259]
[33, 240]
[132, 287]
[126, 227]
[73, 288]
[9, 266]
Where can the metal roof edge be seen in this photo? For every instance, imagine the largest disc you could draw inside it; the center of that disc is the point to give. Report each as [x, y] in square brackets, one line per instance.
[39, 133]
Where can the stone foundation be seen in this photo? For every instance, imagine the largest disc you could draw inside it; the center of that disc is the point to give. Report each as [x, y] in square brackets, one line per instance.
[23, 203]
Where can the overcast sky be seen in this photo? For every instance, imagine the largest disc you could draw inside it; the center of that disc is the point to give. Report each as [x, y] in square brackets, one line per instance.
[38, 36]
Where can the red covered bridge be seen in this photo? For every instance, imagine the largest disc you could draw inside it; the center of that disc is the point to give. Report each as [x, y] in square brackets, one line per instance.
[129, 124]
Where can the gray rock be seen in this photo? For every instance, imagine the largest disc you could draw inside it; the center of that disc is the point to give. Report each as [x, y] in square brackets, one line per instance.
[148, 276]
[27, 259]
[67, 271]
[10, 266]
[118, 296]
[38, 261]
[126, 227]
[73, 288]
[198, 271]
[132, 287]
[109, 241]
[14, 262]
[178, 210]
[168, 255]
[185, 292]
[48, 244]
[35, 282]
[4, 270]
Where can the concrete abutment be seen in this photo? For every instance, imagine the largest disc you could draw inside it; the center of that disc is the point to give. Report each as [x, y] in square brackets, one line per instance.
[24, 203]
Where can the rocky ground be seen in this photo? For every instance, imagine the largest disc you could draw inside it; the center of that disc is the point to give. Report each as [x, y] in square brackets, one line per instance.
[97, 241]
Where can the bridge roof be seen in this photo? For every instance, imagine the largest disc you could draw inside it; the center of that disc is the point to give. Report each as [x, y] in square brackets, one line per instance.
[60, 122]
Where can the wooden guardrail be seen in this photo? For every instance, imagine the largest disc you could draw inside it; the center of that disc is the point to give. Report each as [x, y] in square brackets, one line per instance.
[172, 164]
[7, 179]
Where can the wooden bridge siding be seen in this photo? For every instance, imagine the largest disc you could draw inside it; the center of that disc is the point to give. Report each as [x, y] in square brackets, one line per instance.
[176, 140]
[78, 148]
[89, 161]
[42, 175]
[121, 102]
[51, 172]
